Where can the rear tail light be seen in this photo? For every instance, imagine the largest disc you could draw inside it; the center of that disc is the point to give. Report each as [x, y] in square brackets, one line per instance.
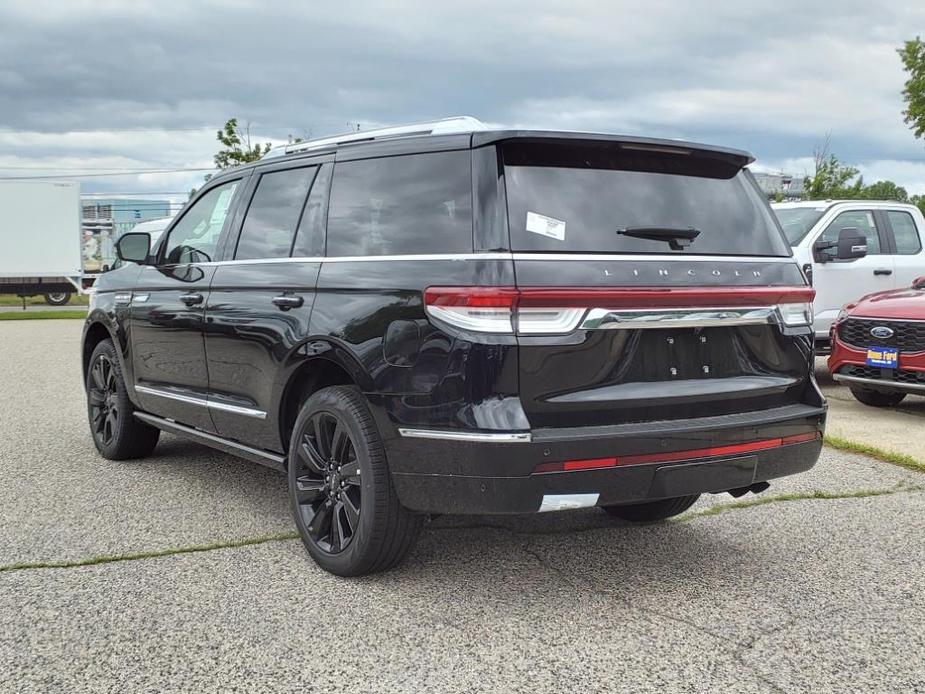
[554, 310]
[793, 315]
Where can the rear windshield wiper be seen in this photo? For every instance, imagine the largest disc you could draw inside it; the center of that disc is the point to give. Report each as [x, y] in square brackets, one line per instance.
[677, 238]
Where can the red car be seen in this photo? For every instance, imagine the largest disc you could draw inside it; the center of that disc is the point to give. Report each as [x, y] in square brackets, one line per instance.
[878, 346]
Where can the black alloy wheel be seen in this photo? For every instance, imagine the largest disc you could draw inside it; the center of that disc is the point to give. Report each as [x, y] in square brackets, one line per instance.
[327, 483]
[340, 488]
[117, 433]
[103, 399]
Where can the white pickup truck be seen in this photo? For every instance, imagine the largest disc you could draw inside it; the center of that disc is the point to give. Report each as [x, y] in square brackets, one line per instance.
[895, 252]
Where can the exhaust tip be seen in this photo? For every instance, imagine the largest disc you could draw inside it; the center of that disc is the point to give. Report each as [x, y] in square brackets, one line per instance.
[755, 488]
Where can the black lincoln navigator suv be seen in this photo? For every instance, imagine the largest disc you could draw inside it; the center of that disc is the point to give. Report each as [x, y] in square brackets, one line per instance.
[446, 318]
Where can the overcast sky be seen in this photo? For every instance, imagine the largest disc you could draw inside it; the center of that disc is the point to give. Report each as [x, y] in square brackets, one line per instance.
[87, 85]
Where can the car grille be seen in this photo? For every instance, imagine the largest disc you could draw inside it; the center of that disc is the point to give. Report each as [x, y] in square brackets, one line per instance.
[908, 336]
[899, 376]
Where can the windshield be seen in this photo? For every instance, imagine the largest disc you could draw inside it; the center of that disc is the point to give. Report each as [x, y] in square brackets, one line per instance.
[567, 199]
[797, 221]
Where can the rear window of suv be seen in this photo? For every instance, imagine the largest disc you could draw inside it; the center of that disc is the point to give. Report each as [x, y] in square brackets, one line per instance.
[410, 204]
[567, 199]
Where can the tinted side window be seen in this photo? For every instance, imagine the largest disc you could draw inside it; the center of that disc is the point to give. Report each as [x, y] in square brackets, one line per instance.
[904, 232]
[194, 238]
[420, 203]
[309, 240]
[274, 212]
[862, 220]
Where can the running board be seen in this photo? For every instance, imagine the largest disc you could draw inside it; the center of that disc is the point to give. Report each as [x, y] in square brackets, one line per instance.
[277, 462]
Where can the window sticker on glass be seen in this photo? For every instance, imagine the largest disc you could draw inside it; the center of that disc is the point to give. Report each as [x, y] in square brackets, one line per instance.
[546, 226]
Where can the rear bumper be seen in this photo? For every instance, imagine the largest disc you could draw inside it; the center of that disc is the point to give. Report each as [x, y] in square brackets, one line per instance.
[654, 461]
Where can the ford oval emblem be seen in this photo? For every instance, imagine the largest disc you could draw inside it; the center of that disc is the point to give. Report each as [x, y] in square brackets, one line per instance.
[882, 332]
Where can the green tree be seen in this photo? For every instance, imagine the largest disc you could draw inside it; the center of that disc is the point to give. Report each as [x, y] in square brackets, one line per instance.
[918, 201]
[831, 178]
[237, 146]
[913, 56]
[885, 190]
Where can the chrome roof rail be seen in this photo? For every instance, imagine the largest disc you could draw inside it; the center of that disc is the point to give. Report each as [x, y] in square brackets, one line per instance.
[444, 126]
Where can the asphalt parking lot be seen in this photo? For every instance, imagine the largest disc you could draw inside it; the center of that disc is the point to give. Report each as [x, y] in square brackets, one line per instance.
[819, 589]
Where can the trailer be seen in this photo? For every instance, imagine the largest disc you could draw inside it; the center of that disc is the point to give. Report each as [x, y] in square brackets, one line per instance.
[40, 234]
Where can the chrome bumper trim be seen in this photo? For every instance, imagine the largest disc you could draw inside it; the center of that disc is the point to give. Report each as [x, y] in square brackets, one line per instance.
[878, 384]
[474, 436]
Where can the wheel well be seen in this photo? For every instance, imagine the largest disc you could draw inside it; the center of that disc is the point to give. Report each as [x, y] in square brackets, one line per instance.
[309, 379]
[96, 333]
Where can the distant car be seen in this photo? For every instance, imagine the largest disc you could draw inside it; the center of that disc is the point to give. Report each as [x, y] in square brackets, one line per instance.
[878, 346]
[889, 254]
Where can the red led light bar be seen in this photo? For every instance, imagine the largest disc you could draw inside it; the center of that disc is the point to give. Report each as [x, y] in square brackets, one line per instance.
[672, 456]
[616, 297]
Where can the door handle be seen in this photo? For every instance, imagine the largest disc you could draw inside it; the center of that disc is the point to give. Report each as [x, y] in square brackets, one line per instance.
[883, 271]
[288, 301]
[191, 299]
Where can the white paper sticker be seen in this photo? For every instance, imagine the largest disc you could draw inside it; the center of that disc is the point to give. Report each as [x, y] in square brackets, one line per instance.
[565, 502]
[546, 226]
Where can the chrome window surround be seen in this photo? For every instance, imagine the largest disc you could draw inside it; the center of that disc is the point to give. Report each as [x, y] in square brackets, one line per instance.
[537, 257]
[202, 402]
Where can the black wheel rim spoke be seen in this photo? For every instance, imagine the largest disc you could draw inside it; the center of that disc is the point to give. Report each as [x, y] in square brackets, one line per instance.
[102, 400]
[308, 489]
[351, 512]
[326, 484]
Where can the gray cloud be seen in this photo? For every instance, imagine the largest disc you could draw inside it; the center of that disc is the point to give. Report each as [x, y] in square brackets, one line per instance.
[770, 78]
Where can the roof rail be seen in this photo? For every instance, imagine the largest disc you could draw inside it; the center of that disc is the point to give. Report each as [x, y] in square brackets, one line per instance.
[444, 126]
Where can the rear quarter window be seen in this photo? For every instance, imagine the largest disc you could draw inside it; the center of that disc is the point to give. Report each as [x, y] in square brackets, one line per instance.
[411, 204]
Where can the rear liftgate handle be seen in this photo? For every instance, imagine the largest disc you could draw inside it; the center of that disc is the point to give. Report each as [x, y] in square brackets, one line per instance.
[288, 301]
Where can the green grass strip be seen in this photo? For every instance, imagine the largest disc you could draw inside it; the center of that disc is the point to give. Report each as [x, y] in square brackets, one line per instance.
[804, 496]
[41, 315]
[906, 461]
[112, 558]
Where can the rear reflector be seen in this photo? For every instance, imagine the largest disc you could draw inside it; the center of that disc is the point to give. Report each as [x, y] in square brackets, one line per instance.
[674, 456]
[557, 310]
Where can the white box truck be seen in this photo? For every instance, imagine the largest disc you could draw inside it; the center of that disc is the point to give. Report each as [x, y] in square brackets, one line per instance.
[40, 239]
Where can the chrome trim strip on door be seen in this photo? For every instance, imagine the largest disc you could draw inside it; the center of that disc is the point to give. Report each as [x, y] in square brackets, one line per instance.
[635, 319]
[202, 402]
[169, 395]
[237, 409]
[477, 436]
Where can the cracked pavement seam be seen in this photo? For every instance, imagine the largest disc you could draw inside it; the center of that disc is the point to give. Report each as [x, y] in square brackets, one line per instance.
[263, 539]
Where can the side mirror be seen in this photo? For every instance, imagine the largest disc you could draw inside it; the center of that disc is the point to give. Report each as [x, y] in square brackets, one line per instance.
[918, 283]
[852, 244]
[134, 247]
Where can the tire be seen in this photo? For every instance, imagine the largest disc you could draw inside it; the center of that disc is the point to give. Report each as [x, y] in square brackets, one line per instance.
[652, 511]
[876, 398]
[340, 489]
[116, 433]
[57, 298]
